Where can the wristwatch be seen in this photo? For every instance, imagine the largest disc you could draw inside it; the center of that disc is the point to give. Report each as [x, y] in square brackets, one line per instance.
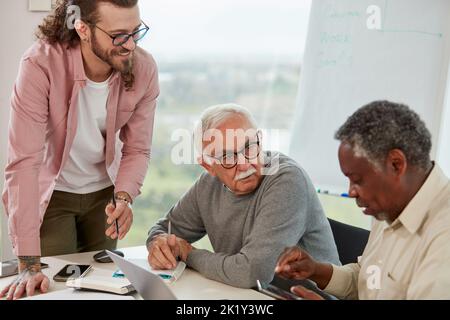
[119, 197]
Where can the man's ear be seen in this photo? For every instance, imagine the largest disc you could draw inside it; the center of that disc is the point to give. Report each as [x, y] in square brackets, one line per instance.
[207, 165]
[83, 30]
[397, 162]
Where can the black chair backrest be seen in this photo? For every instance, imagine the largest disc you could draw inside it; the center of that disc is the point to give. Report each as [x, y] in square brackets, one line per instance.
[350, 241]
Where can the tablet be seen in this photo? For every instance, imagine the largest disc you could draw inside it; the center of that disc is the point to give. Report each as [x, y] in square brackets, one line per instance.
[276, 292]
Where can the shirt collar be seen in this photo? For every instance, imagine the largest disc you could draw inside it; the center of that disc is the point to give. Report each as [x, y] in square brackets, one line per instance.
[414, 214]
[78, 66]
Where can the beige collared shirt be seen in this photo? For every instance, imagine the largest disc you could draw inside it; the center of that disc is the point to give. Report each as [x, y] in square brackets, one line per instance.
[408, 259]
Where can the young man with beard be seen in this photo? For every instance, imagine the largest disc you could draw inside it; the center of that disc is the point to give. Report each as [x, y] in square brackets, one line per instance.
[80, 133]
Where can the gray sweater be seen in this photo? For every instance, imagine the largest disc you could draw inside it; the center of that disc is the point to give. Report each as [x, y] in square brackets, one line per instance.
[249, 232]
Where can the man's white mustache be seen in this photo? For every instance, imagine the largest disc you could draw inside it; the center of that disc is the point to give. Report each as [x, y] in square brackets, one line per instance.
[245, 174]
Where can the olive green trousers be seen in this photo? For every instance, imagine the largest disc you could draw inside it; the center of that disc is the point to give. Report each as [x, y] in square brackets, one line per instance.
[76, 223]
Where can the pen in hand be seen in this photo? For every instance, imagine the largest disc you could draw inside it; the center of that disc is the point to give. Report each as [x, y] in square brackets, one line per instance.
[116, 220]
[169, 232]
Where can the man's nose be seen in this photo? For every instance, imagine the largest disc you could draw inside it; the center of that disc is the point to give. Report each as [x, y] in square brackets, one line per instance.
[352, 192]
[130, 45]
[243, 163]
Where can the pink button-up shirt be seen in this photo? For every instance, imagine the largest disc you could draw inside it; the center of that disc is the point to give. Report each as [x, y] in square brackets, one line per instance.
[42, 128]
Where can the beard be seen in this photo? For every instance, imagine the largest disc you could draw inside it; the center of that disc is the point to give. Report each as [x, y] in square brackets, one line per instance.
[383, 216]
[124, 66]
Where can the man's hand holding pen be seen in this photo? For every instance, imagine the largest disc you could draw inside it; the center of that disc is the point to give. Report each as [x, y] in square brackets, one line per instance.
[120, 216]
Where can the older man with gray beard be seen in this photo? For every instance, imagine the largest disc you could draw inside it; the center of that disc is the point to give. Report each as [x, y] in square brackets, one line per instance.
[385, 154]
[252, 204]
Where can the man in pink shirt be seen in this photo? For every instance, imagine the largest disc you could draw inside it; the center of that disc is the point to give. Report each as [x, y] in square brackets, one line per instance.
[80, 133]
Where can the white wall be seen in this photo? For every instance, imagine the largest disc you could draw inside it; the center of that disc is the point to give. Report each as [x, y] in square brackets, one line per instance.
[17, 26]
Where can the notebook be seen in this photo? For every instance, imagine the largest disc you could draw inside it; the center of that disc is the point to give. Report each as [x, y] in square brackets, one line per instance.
[101, 283]
[169, 276]
[149, 285]
[72, 294]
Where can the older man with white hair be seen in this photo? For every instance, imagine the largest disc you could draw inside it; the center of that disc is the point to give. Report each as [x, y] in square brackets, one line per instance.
[251, 203]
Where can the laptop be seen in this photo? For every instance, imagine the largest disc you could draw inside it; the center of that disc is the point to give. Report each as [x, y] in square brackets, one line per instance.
[149, 285]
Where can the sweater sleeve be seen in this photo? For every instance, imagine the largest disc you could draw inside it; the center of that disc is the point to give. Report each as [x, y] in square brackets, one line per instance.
[186, 222]
[280, 221]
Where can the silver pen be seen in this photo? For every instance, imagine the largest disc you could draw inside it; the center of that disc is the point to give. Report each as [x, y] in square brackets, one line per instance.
[169, 232]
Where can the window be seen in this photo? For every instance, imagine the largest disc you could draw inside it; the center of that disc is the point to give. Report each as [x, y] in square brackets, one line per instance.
[247, 52]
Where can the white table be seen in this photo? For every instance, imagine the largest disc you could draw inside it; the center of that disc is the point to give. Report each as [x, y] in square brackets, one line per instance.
[191, 285]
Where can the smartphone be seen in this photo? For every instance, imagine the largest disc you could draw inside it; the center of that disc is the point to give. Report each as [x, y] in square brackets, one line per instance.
[72, 271]
[276, 292]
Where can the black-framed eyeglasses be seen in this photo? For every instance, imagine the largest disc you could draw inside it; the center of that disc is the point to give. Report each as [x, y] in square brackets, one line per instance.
[230, 159]
[121, 39]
